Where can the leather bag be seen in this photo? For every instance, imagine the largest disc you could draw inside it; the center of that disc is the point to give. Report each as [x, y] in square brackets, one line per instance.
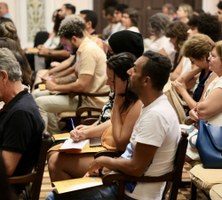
[209, 144]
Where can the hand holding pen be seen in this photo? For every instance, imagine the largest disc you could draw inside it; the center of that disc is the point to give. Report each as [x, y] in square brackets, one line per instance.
[75, 134]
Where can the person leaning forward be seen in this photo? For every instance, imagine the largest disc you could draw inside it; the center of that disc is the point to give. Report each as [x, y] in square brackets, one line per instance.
[90, 70]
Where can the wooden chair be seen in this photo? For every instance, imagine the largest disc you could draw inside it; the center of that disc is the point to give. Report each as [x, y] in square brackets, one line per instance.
[173, 177]
[204, 180]
[33, 180]
[83, 112]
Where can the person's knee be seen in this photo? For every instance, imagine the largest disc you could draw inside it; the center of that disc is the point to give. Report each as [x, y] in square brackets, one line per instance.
[42, 103]
[52, 162]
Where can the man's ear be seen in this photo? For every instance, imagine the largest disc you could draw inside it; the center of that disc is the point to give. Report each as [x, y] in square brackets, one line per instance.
[73, 39]
[146, 80]
[3, 75]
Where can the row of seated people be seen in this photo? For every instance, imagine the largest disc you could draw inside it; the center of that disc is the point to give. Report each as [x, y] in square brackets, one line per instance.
[204, 54]
[187, 55]
[211, 112]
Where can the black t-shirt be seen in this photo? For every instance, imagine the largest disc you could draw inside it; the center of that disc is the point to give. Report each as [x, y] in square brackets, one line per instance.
[21, 128]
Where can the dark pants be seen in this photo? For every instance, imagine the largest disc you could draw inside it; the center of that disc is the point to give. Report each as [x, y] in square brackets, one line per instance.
[95, 193]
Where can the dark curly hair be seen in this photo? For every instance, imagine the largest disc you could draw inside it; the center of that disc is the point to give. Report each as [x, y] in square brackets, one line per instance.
[120, 64]
[72, 25]
[207, 24]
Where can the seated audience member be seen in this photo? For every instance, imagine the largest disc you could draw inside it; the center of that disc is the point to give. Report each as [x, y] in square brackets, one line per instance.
[157, 40]
[19, 55]
[4, 11]
[169, 10]
[53, 41]
[59, 53]
[89, 69]
[118, 14]
[209, 108]
[177, 32]
[184, 12]
[197, 49]
[154, 139]
[219, 11]
[91, 20]
[205, 23]
[126, 40]
[130, 18]
[109, 17]
[21, 124]
[67, 9]
[125, 111]
[8, 29]
[62, 72]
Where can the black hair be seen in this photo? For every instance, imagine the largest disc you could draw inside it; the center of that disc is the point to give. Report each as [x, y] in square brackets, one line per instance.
[219, 5]
[57, 19]
[158, 68]
[120, 64]
[121, 7]
[109, 3]
[91, 16]
[207, 24]
[71, 7]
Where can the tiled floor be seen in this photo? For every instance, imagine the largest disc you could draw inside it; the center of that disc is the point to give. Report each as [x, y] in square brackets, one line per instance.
[184, 192]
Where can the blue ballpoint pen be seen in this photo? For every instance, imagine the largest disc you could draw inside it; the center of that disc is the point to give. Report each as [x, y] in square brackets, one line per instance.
[72, 123]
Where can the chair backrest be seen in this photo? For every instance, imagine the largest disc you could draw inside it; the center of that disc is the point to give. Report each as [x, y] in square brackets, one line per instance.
[178, 166]
[82, 112]
[173, 177]
[34, 179]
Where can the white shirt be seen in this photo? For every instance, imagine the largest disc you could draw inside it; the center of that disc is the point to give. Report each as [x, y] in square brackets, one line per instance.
[216, 83]
[157, 126]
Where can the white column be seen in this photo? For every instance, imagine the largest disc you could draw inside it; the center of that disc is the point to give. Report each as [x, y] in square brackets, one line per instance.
[210, 6]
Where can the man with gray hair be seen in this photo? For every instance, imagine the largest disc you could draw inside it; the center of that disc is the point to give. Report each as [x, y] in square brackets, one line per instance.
[21, 124]
[89, 68]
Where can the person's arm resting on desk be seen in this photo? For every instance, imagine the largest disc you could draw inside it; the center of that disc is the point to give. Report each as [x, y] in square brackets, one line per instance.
[135, 166]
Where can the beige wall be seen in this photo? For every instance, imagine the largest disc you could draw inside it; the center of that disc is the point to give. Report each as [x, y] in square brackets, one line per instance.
[210, 6]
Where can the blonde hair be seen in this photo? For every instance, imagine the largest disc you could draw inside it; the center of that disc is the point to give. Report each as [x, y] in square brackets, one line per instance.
[187, 8]
[197, 46]
[218, 47]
